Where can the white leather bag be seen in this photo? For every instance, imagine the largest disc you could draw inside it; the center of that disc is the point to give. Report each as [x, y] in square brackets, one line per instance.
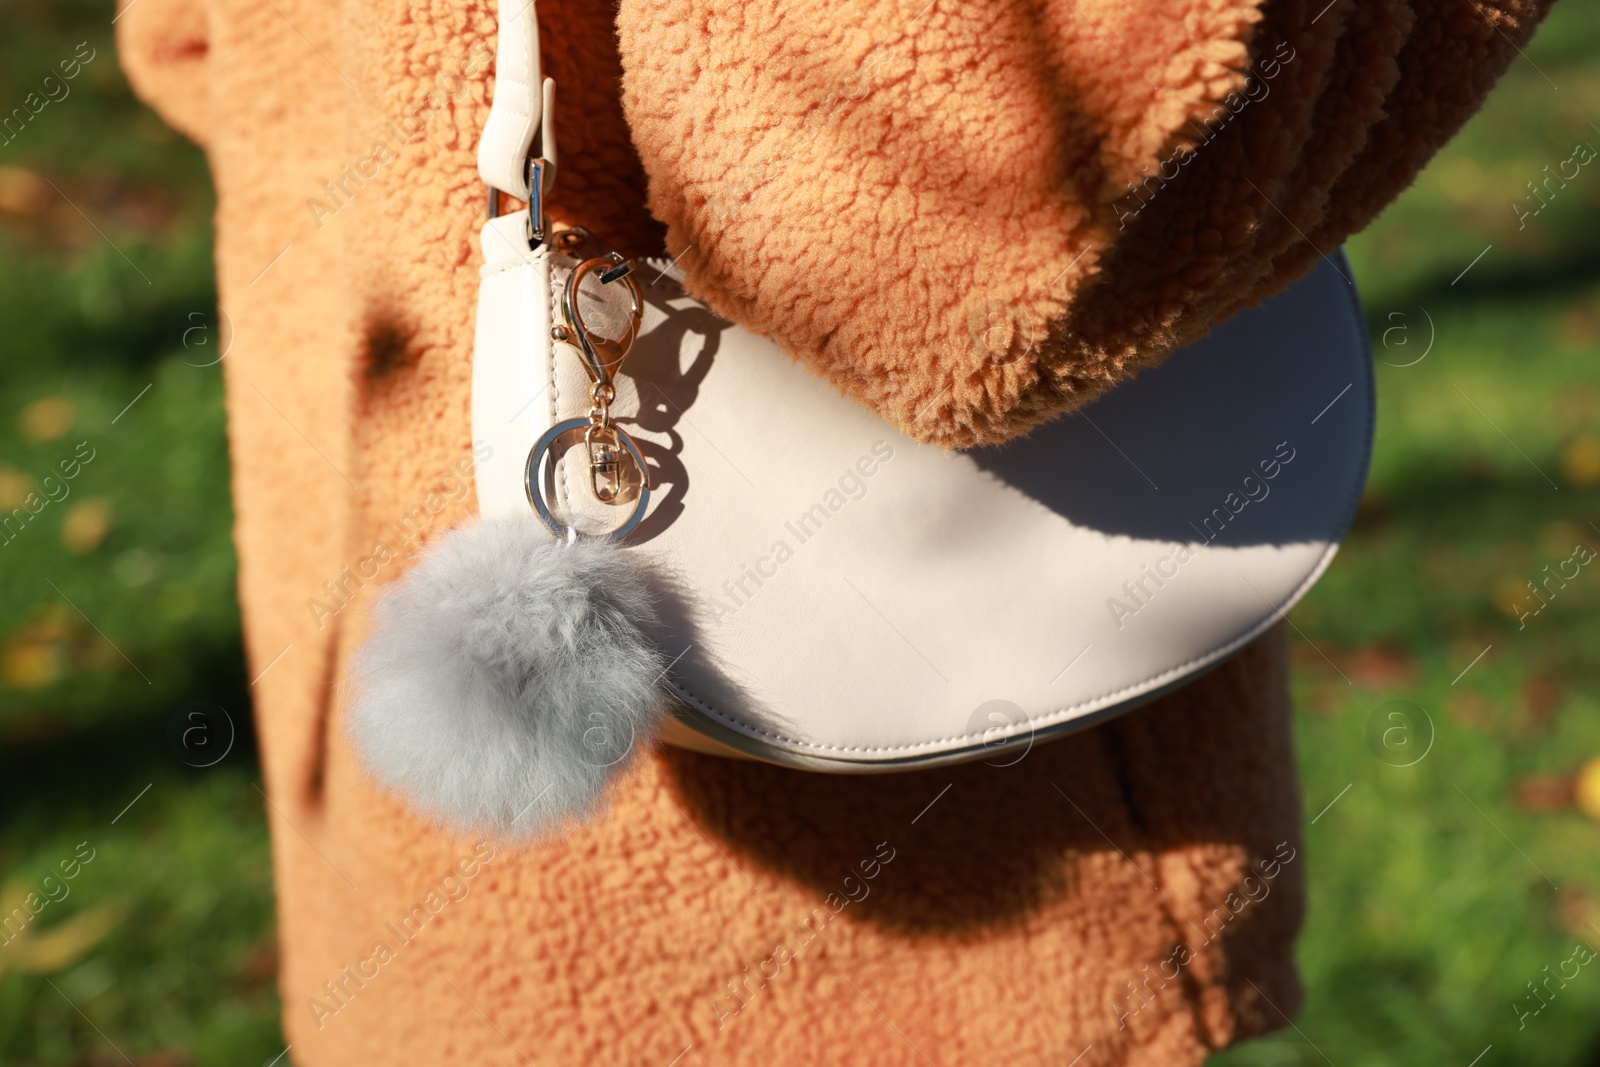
[846, 599]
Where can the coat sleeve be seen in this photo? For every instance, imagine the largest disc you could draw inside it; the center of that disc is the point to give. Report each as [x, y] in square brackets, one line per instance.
[163, 45]
[973, 217]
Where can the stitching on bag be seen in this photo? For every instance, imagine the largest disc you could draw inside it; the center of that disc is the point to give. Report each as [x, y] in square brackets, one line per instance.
[1211, 657]
[563, 491]
[532, 257]
[1094, 703]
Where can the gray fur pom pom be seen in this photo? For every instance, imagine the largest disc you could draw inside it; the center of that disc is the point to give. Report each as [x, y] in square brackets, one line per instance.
[507, 677]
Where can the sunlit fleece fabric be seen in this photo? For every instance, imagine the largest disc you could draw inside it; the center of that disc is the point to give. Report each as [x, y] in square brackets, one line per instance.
[872, 183]
[973, 216]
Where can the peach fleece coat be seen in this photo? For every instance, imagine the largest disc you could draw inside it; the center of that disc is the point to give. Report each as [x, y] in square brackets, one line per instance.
[900, 193]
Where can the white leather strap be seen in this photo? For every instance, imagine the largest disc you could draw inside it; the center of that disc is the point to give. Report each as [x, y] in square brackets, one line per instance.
[523, 105]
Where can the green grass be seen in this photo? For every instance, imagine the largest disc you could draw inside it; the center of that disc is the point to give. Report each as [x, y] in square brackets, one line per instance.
[1438, 890]
[1433, 886]
[117, 602]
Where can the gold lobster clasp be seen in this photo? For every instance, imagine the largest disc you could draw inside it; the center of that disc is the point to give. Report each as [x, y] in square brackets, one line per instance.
[602, 355]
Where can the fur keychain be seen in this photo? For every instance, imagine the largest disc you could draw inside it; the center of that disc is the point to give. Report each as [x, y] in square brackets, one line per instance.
[510, 673]
[507, 677]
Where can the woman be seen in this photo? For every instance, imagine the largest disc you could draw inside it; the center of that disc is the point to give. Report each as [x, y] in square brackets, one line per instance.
[1123, 176]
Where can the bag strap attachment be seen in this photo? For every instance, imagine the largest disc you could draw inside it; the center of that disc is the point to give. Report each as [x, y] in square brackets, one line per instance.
[517, 152]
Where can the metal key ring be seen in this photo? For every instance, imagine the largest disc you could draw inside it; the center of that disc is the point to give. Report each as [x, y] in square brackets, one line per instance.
[536, 496]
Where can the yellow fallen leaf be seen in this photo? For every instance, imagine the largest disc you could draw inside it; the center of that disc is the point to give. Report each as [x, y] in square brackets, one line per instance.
[22, 192]
[47, 418]
[66, 942]
[1586, 791]
[31, 664]
[14, 894]
[1580, 460]
[15, 918]
[86, 525]
[14, 489]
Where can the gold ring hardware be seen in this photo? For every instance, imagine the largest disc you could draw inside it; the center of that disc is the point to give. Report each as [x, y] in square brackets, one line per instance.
[600, 398]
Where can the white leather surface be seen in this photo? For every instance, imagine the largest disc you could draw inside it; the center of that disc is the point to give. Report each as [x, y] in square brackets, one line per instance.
[510, 362]
[929, 590]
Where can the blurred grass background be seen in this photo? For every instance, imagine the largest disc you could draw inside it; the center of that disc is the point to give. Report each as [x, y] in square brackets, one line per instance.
[1439, 889]
[116, 601]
